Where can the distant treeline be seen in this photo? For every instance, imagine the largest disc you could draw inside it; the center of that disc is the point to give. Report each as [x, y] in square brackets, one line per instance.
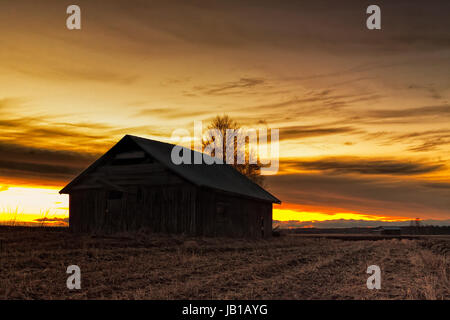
[422, 230]
[426, 230]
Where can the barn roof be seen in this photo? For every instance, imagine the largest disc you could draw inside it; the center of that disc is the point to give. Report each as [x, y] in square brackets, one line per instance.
[221, 177]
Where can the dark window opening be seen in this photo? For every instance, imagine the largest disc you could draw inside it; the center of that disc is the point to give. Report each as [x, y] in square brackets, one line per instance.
[262, 226]
[222, 209]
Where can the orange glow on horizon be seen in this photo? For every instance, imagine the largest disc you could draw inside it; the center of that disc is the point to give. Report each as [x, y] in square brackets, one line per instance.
[29, 205]
[26, 204]
[291, 212]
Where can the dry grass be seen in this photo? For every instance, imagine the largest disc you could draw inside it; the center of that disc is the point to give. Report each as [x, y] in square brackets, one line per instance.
[33, 264]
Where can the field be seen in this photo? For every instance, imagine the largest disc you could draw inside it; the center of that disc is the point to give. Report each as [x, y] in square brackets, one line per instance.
[33, 264]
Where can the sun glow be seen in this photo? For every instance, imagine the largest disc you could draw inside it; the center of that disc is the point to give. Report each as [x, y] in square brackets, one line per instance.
[299, 215]
[28, 205]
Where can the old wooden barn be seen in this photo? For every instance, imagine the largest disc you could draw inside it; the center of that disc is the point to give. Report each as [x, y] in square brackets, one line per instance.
[136, 185]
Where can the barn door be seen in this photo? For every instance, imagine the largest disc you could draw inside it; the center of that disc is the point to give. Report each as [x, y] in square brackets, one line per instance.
[262, 221]
[222, 219]
[262, 225]
[114, 209]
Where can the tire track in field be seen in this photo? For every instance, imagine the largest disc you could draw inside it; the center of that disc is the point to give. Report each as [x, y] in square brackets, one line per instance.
[161, 271]
[232, 283]
[174, 273]
[309, 280]
[170, 279]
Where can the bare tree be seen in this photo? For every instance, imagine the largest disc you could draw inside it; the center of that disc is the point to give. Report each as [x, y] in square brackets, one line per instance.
[222, 124]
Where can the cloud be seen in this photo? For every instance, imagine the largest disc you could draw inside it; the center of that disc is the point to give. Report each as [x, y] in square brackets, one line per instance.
[439, 111]
[170, 113]
[322, 100]
[430, 144]
[421, 141]
[298, 132]
[239, 25]
[377, 195]
[363, 166]
[55, 219]
[355, 70]
[438, 185]
[38, 63]
[51, 147]
[17, 152]
[76, 73]
[10, 103]
[17, 161]
[422, 40]
[432, 91]
[230, 88]
[313, 104]
[294, 104]
[30, 131]
[30, 149]
[4, 188]
[53, 150]
[37, 168]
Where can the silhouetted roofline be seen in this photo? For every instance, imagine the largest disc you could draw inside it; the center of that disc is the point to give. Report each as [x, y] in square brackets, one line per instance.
[221, 177]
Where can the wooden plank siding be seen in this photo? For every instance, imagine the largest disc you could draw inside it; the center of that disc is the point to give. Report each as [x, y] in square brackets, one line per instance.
[118, 197]
[156, 209]
[151, 197]
[226, 215]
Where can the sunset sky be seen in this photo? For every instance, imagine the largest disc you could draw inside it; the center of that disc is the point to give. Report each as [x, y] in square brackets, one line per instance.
[364, 115]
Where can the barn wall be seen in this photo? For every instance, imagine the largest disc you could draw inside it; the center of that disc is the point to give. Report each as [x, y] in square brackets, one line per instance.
[170, 209]
[130, 197]
[156, 209]
[86, 210]
[167, 209]
[221, 214]
[153, 198]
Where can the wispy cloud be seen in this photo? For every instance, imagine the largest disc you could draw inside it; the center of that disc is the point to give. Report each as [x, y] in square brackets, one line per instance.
[76, 73]
[19, 161]
[420, 141]
[437, 111]
[363, 166]
[369, 195]
[231, 87]
[53, 219]
[301, 132]
[171, 113]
